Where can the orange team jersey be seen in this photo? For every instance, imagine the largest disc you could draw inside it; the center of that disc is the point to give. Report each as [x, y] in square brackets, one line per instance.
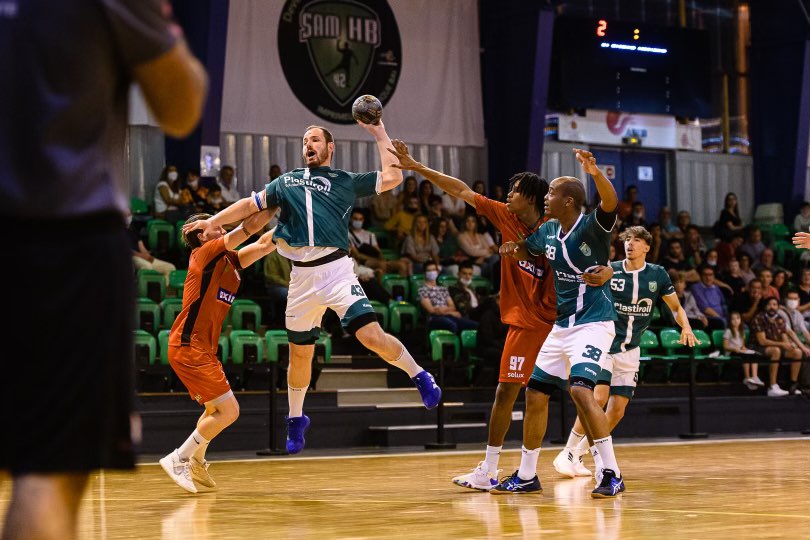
[528, 299]
[210, 289]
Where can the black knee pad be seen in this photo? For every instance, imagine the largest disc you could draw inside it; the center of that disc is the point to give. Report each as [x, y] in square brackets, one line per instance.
[542, 386]
[582, 381]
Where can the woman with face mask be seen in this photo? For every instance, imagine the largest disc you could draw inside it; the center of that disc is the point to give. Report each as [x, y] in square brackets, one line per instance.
[167, 194]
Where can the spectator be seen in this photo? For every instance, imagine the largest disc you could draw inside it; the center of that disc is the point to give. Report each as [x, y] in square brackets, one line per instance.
[733, 278]
[498, 194]
[795, 320]
[766, 261]
[637, 216]
[655, 247]
[710, 299]
[479, 248]
[711, 258]
[370, 281]
[801, 223]
[199, 193]
[364, 249]
[436, 301]
[745, 267]
[748, 304]
[142, 258]
[409, 188]
[434, 209]
[425, 194]
[420, 246]
[625, 207]
[693, 247]
[616, 242]
[727, 249]
[773, 341]
[668, 229]
[696, 318]
[383, 208]
[781, 283]
[729, 221]
[401, 222]
[480, 187]
[227, 184]
[612, 253]
[170, 201]
[753, 246]
[768, 290]
[468, 302]
[735, 345]
[804, 293]
[454, 208]
[684, 219]
[675, 260]
[214, 199]
[276, 269]
[449, 253]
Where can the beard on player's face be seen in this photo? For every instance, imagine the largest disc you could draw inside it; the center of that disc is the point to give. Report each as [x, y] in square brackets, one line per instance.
[316, 154]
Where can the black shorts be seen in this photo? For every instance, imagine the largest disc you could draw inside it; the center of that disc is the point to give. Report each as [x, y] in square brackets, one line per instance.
[66, 386]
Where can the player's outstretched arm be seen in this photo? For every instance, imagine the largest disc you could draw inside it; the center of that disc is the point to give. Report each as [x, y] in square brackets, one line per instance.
[232, 214]
[516, 250]
[687, 336]
[453, 186]
[258, 249]
[391, 176]
[606, 190]
[250, 226]
[802, 240]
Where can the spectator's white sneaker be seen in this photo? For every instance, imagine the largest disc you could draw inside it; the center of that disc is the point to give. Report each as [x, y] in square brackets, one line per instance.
[757, 381]
[750, 384]
[199, 473]
[569, 463]
[775, 391]
[480, 479]
[179, 471]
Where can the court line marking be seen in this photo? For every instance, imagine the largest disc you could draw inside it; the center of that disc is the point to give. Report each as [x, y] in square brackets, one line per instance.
[472, 452]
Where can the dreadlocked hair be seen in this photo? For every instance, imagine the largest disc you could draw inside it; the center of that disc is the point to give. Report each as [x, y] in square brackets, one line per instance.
[531, 186]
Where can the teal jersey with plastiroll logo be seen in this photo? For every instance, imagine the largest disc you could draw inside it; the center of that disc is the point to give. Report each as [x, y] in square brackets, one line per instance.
[570, 255]
[635, 293]
[316, 204]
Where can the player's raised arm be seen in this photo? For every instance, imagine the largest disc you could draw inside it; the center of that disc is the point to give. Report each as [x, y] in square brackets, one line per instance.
[607, 193]
[391, 176]
[236, 212]
[802, 240]
[453, 186]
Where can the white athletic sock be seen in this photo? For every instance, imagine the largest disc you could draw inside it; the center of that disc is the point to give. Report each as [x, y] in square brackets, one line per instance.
[574, 439]
[493, 456]
[188, 448]
[583, 445]
[406, 363]
[605, 448]
[597, 458]
[295, 399]
[528, 463]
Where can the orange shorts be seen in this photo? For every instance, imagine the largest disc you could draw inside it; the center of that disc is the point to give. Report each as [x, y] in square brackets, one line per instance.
[520, 353]
[201, 373]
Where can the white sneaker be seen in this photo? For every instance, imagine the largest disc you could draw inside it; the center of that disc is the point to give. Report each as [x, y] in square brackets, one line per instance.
[750, 384]
[199, 473]
[179, 471]
[569, 463]
[775, 391]
[480, 479]
[757, 381]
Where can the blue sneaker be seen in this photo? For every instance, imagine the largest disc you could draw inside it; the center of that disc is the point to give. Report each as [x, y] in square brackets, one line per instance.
[428, 389]
[610, 486]
[296, 427]
[514, 484]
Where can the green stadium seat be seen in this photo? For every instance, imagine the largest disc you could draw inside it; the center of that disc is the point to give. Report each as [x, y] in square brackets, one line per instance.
[145, 348]
[275, 339]
[177, 280]
[383, 237]
[414, 282]
[224, 348]
[403, 316]
[246, 347]
[649, 342]
[147, 315]
[138, 206]
[785, 252]
[440, 341]
[169, 309]
[163, 341]
[178, 230]
[469, 343]
[396, 285]
[446, 280]
[779, 231]
[151, 376]
[151, 284]
[246, 314]
[160, 235]
[481, 285]
[382, 313]
[390, 254]
[324, 342]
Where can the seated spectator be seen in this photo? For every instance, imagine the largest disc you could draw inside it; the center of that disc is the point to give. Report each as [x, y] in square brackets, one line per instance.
[710, 299]
[450, 254]
[420, 246]
[781, 284]
[729, 221]
[733, 278]
[616, 243]
[694, 250]
[498, 193]
[426, 191]
[364, 249]
[276, 269]
[683, 220]
[142, 258]
[436, 301]
[170, 202]
[434, 209]
[766, 261]
[409, 189]
[637, 217]
[625, 207]
[748, 303]
[727, 249]
[696, 318]
[801, 223]
[795, 320]
[383, 208]
[745, 267]
[735, 345]
[215, 200]
[370, 281]
[480, 187]
[454, 208]
[711, 259]
[655, 247]
[753, 246]
[768, 290]
[668, 229]
[675, 260]
[804, 293]
[479, 248]
[274, 172]
[226, 180]
[773, 341]
[401, 222]
[199, 193]
[468, 302]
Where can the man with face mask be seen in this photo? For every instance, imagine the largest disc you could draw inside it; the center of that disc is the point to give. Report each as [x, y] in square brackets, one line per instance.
[363, 248]
[772, 339]
[797, 329]
[316, 205]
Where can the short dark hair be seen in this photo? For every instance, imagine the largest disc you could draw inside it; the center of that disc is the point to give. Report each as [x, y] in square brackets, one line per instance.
[573, 188]
[192, 238]
[431, 263]
[326, 133]
[465, 264]
[530, 186]
[229, 167]
[636, 231]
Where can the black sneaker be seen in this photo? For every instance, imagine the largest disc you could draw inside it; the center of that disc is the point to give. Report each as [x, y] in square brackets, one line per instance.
[514, 484]
[610, 486]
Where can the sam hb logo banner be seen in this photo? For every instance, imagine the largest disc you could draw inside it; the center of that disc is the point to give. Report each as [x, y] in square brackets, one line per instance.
[332, 51]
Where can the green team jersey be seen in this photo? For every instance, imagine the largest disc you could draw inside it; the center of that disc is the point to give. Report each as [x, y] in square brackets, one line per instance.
[316, 204]
[586, 245]
[635, 293]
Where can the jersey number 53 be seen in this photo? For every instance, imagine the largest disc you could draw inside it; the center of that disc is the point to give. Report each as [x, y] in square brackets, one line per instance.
[617, 285]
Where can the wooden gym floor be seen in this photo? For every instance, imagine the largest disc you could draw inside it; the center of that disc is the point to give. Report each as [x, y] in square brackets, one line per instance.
[754, 488]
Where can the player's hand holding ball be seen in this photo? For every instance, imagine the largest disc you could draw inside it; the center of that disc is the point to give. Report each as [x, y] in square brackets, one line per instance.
[367, 109]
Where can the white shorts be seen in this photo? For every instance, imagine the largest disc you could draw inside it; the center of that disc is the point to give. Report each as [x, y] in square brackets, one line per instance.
[621, 371]
[575, 352]
[314, 289]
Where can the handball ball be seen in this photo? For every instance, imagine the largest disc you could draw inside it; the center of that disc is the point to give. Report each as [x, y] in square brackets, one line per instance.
[367, 109]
